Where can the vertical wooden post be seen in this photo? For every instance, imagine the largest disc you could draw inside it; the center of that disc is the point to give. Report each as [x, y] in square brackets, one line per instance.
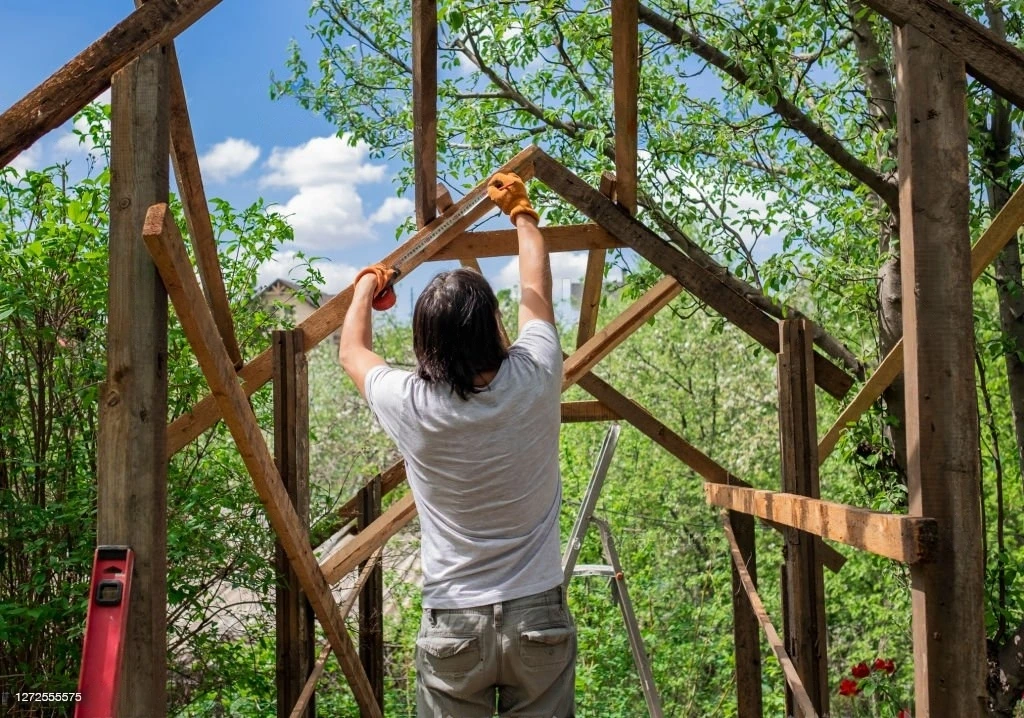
[803, 585]
[295, 627]
[745, 629]
[131, 461]
[424, 108]
[626, 81]
[371, 599]
[938, 333]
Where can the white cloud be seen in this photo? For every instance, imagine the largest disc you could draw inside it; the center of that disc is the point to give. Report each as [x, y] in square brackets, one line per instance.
[327, 210]
[286, 265]
[70, 144]
[228, 159]
[322, 160]
[392, 210]
[104, 97]
[29, 159]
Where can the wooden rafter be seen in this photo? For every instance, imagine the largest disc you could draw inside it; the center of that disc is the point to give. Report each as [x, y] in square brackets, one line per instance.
[73, 86]
[695, 279]
[325, 320]
[577, 411]
[505, 242]
[626, 81]
[800, 696]
[989, 58]
[167, 248]
[424, 108]
[1003, 227]
[907, 539]
[344, 559]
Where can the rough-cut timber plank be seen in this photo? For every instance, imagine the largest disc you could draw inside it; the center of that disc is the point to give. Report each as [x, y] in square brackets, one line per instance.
[803, 586]
[424, 108]
[746, 634]
[88, 74]
[908, 539]
[197, 212]
[342, 560]
[947, 591]
[321, 661]
[325, 320]
[1003, 227]
[590, 299]
[168, 250]
[371, 599]
[295, 626]
[989, 58]
[626, 82]
[576, 411]
[789, 670]
[618, 330]
[694, 278]
[505, 242]
[131, 472]
[443, 199]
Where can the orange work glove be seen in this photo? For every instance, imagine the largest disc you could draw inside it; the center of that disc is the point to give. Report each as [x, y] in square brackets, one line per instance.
[507, 190]
[384, 295]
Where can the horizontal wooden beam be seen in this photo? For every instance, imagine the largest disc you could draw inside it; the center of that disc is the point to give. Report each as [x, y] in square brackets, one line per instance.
[325, 320]
[796, 686]
[167, 248]
[346, 557]
[697, 280]
[901, 538]
[1003, 227]
[577, 411]
[505, 242]
[991, 59]
[73, 86]
[618, 330]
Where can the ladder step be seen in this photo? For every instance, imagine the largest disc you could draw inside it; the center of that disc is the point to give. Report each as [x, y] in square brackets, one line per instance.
[593, 569]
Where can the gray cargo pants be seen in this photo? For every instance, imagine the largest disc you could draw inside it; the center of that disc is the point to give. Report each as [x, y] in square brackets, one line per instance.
[518, 656]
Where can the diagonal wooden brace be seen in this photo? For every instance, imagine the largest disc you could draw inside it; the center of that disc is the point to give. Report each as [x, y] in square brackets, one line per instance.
[165, 244]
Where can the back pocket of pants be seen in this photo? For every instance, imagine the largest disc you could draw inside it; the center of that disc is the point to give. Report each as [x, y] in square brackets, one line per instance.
[546, 646]
[449, 655]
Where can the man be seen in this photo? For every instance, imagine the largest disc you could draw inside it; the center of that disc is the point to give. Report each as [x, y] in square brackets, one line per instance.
[478, 426]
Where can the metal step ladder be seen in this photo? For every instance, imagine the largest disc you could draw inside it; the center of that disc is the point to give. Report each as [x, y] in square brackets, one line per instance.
[612, 570]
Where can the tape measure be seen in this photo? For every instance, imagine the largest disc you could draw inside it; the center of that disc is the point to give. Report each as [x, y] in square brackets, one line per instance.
[468, 203]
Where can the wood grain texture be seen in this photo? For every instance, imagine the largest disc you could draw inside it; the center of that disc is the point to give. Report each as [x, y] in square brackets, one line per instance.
[89, 73]
[167, 248]
[424, 109]
[695, 279]
[371, 598]
[947, 592]
[131, 471]
[590, 299]
[746, 633]
[325, 320]
[576, 411]
[505, 242]
[346, 557]
[908, 539]
[626, 88]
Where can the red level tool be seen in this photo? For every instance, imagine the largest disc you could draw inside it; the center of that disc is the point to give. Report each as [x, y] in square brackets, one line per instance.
[105, 625]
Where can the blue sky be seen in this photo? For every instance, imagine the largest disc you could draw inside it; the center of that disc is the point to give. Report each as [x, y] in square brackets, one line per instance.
[341, 203]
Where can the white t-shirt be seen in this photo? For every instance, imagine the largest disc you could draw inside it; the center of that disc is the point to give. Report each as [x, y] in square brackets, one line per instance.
[484, 472]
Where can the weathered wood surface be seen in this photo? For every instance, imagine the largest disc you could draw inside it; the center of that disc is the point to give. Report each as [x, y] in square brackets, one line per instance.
[746, 633]
[89, 73]
[344, 559]
[947, 591]
[907, 539]
[131, 471]
[590, 297]
[626, 87]
[424, 109]
[325, 320]
[577, 411]
[991, 59]
[800, 696]
[505, 242]
[295, 626]
[803, 587]
[695, 279]
[618, 330]
[167, 248]
[371, 598]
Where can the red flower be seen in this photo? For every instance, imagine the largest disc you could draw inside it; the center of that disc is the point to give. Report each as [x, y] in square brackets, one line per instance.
[848, 687]
[904, 713]
[887, 665]
[860, 670]
[879, 665]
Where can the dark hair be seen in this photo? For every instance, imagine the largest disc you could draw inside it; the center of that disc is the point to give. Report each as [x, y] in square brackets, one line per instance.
[455, 330]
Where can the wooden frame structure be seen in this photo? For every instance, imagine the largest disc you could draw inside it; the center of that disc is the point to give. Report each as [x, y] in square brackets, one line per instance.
[939, 539]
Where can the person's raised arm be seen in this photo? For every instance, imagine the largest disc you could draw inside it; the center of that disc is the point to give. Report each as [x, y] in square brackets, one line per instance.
[508, 192]
[372, 289]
